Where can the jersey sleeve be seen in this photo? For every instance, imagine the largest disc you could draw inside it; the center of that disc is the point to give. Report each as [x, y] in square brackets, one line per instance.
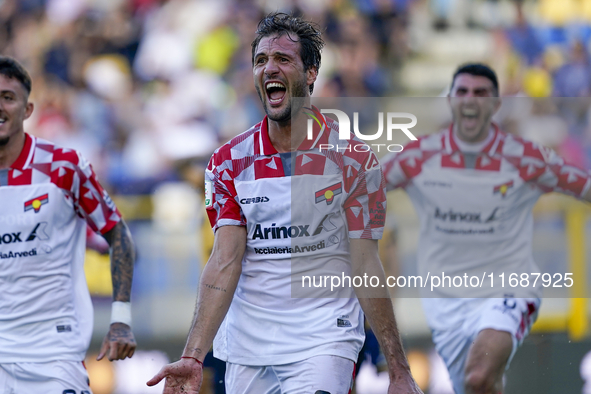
[400, 167]
[365, 204]
[221, 199]
[91, 201]
[551, 173]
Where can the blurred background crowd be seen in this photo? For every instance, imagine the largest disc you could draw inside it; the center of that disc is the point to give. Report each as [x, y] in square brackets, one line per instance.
[147, 89]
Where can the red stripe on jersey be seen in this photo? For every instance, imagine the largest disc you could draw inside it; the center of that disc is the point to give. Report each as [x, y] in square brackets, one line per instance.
[487, 163]
[268, 167]
[455, 160]
[20, 177]
[310, 163]
[21, 160]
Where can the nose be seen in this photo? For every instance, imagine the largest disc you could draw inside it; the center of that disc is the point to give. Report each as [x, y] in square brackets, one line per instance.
[271, 68]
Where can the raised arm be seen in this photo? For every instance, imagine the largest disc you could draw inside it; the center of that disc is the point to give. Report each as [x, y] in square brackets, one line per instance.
[216, 290]
[119, 342]
[379, 311]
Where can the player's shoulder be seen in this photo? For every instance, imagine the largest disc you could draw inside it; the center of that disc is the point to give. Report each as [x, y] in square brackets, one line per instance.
[240, 147]
[517, 146]
[242, 144]
[424, 146]
[49, 152]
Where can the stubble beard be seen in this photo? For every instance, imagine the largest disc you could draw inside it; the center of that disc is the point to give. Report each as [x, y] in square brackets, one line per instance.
[299, 90]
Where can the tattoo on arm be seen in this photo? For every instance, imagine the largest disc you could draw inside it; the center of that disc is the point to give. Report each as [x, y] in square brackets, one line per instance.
[122, 259]
[212, 287]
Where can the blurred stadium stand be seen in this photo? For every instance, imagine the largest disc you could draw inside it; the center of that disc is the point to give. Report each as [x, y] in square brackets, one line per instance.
[146, 89]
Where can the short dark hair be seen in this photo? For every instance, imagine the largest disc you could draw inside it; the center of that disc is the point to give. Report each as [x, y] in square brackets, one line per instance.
[10, 68]
[479, 70]
[308, 33]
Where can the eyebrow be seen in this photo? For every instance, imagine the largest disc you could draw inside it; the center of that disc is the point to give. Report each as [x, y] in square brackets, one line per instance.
[277, 53]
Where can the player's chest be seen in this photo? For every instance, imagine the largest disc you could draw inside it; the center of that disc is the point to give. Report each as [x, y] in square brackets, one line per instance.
[473, 188]
[31, 212]
[290, 199]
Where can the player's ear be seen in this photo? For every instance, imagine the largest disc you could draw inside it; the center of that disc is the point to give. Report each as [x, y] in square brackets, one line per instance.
[29, 109]
[497, 104]
[311, 75]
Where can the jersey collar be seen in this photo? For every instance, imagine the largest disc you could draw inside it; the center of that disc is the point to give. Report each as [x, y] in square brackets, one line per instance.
[26, 155]
[490, 148]
[319, 135]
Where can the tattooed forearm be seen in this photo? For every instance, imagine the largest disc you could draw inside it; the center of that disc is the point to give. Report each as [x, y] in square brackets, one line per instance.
[214, 287]
[122, 259]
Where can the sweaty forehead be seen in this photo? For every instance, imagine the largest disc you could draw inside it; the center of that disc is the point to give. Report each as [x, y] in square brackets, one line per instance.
[285, 43]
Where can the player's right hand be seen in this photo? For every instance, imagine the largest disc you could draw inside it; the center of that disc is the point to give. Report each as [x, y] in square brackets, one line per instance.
[405, 384]
[182, 377]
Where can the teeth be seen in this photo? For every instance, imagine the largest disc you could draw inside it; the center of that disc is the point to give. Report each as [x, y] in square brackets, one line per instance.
[275, 85]
[469, 112]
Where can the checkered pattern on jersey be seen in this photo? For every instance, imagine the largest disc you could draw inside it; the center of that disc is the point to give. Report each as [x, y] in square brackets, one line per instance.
[505, 152]
[251, 156]
[43, 162]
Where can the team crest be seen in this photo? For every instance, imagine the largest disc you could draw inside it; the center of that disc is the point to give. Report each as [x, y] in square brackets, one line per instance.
[327, 194]
[503, 189]
[36, 203]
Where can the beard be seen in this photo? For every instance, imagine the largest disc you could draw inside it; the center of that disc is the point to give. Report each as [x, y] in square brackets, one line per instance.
[299, 90]
[4, 141]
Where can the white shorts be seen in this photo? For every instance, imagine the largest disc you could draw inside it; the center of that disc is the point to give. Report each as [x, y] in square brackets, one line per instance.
[315, 375]
[512, 315]
[55, 377]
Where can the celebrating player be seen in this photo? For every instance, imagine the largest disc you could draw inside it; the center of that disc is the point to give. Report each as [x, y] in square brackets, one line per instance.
[49, 194]
[280, 207]
[474, 188]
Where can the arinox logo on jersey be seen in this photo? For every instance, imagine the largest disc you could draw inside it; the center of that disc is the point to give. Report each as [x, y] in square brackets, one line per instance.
[38, 232]
[36, 203]
[467, 217]
[274, 232]
[254, 200]
[327, 194]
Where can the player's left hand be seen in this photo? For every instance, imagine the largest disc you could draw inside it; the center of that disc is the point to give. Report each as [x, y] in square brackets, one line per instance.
[119, 343]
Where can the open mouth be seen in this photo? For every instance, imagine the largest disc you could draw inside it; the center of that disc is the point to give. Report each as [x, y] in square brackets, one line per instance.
[275, 92]
[469, 117]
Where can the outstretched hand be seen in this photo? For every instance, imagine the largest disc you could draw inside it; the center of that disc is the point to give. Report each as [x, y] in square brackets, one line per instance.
[404, 385]
[119, 343]
[182, 377]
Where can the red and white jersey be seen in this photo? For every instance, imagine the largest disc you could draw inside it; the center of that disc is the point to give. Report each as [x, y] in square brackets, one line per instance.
[475, 208]
[300, 209]
[48, 196]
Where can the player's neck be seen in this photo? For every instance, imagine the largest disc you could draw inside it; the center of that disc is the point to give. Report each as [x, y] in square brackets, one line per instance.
[475, 146]
[11, 150]
[284, 137]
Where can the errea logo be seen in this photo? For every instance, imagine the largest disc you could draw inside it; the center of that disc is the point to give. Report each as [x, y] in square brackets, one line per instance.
[345, 128]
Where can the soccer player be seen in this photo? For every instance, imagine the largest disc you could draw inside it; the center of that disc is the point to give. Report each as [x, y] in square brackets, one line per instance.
[279, 207]
[49, 194]
[474, 188]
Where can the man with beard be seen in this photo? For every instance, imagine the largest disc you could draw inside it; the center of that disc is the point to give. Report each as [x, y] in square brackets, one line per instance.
[49, 194]
[474, 188]
[281, 208]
